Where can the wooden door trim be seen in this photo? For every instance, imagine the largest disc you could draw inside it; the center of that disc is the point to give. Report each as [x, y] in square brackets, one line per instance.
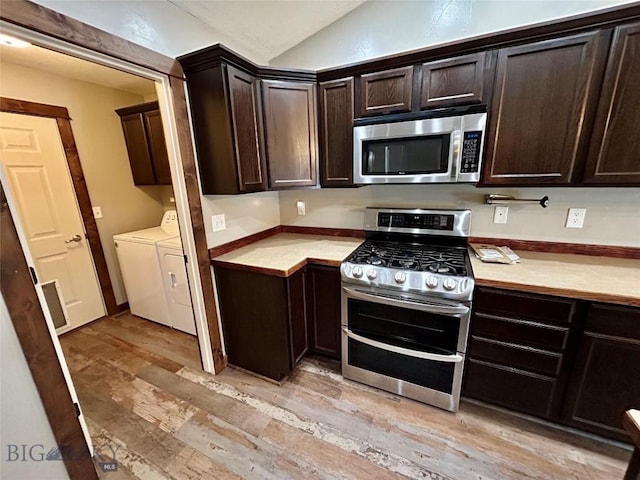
[54, 25]
[31, 328]
[61, 115]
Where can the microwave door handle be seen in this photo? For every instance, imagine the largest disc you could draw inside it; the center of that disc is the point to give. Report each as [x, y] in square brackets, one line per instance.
[425, 307]
[370, 159]
[456, 153]
[403, 351]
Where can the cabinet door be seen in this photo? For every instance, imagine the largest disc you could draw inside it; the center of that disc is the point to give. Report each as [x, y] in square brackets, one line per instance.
[336, 133]
[137, 147]
[542, 110]
[323, 301]
[297, 316]
[247, 137]
[606, 376]
[290, 132]
[385, 92]
[456, 81]
[157, 147]
[614, 154]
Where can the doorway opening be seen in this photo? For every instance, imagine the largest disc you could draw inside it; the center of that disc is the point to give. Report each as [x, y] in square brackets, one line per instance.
[67, 170]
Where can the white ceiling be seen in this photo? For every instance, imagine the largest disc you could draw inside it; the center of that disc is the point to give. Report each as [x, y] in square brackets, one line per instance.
[257, 29]
[71, 67]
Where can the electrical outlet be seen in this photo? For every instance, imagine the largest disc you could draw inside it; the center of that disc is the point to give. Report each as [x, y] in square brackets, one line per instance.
[301, 208]
[218, 222]
[575, 217]
[500, 214]
[97, 212]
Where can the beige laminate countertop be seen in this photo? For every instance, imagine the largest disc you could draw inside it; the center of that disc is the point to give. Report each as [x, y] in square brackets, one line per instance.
[605, 279]
[285, 253]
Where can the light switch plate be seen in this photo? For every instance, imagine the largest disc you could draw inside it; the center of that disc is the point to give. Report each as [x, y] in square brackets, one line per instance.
[97, 212]
[218, 222]
[575, 217]
[500, 214]
[301, 207]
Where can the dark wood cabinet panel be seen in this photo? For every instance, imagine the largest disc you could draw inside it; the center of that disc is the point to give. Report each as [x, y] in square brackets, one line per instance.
[144, 137]
[290, 133]
[606, 375]
[297, 316]
[521, 332]
[247, 135]
[542, 110]
[614, 153]
[157, 147]
[323, 310]
[385, 92]
[509, 387]
[225, 111]
[455, 81]
[336, 132]
[255, 321]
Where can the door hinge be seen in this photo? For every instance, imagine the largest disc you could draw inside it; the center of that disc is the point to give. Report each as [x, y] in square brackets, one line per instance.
[34, 277]
[77, 407]
[185, 259]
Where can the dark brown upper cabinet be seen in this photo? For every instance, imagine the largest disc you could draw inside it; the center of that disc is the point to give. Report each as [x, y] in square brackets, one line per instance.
[225, 110]
[455, 81]
[144, 136]
[385, 92]
[290, 133]
[542, 110]
[614, 153]
[336, 132]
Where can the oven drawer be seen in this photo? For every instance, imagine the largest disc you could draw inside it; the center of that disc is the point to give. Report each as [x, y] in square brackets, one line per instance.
[509, 387]
[509, 354]
[522, 332]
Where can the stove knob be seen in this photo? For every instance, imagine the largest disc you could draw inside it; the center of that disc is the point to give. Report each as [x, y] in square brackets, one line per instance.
[357, 272]
[372, 274]
[449, 283]
[431, 281]
[400, 277]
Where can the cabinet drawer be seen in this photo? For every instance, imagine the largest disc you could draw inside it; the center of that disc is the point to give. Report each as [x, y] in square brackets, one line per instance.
[516, 356]
[614, 320]
[522, 332]
[537, 308]
[509, 387]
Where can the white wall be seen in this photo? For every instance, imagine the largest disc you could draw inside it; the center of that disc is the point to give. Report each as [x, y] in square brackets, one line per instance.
[244, 215]
[98, 135]
[23, 420]
[384, 27]
[613, 214]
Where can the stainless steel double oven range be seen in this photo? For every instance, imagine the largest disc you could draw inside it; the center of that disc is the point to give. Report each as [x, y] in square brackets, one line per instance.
[406, 303]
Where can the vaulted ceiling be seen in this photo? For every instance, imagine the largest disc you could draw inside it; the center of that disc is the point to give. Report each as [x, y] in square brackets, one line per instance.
[258, 29]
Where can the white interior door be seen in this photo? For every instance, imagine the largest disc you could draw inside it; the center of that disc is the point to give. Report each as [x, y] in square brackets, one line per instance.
[37, 173]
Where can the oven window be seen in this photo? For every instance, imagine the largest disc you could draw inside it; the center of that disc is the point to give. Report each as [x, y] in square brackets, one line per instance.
[406, 156]
[404, 327]
[426, 373]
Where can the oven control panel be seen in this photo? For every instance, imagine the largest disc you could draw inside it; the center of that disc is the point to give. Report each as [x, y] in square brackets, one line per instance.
[416, 220]
[427, 283]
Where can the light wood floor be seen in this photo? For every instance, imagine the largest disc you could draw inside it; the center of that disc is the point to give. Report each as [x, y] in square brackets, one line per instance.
[142, 391]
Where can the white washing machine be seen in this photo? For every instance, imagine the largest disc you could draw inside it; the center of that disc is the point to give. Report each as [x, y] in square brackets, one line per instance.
[140, 267]
[176, 285]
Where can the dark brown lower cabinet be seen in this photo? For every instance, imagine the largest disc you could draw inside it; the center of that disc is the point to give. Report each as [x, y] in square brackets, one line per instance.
[263, 320]
[323, 310]
[578, 365]
[606, 375]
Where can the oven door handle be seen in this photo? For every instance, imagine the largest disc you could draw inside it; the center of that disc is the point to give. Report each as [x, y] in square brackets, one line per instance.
[455, 358]
[430, 307]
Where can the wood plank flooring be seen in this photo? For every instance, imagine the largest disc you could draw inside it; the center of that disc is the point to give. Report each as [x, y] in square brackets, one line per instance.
[143, 393]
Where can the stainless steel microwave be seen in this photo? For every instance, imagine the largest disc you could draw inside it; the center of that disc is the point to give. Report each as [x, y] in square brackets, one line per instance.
[444, 149]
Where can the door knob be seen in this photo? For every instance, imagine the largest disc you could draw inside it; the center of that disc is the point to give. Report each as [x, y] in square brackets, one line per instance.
[76, 238]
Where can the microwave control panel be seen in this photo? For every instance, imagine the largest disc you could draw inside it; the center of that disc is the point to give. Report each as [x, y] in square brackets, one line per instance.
[471, 143]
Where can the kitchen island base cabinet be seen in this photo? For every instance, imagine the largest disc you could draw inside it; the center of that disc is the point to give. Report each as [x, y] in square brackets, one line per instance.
[263, 320]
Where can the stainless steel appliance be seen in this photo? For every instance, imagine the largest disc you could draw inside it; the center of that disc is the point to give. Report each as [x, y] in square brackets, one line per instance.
[406, 302]
[444, 146]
